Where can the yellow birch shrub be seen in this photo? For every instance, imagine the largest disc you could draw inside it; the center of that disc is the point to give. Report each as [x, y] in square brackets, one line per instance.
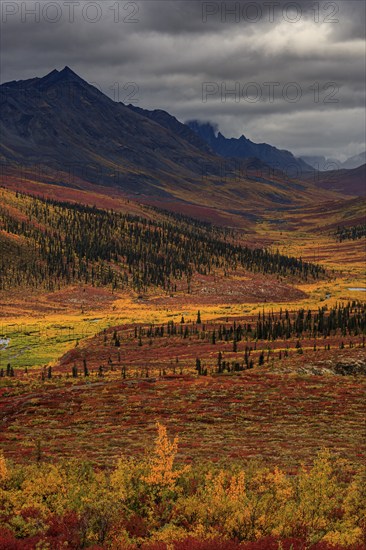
[355, 500]
[6, 506]
[44, 488]
[276, 505]
[220, 506]
[4, 474]
[169, 534]
[318, 494]
[161, 472]
[327, 500]
[122, 478]
[351, 528]
[32, 488]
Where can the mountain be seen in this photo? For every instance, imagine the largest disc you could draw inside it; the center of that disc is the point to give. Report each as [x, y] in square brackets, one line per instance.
[244, 148]
[170, 122]
[320, 162]
[61, 130]
[65, 124]
[324, 164]
[348, 182]
[355, 161]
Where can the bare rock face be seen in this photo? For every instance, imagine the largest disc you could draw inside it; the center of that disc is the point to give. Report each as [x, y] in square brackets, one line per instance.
[351, 367]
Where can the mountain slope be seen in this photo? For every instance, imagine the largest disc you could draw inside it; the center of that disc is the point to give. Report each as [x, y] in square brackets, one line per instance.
[63, 122]
[325, 164]
[355, 161]
[349, 182]
[61, 130]
[48, 243]
[169, 122]
[243, 148]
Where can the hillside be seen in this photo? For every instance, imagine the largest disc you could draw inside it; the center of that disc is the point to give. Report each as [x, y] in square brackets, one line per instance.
[183, 309]
[355, 161]
[170, 122]
[48, 243]
[60, 129]
[349, 182]
[63, 123]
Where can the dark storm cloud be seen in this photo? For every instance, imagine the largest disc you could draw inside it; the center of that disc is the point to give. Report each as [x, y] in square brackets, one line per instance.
[174, 51]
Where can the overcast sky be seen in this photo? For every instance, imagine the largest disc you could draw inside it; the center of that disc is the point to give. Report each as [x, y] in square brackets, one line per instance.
[287, 73]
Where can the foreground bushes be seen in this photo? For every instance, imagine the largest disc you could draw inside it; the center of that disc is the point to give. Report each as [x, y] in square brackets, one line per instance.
[152, 505]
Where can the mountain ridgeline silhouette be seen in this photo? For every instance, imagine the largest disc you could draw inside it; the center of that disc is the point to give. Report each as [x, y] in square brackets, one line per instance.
[243, 148]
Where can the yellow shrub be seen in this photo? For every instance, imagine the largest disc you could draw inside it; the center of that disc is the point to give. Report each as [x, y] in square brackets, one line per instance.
[345, 538]
[160, 467]
[121, 478]
[3, 468]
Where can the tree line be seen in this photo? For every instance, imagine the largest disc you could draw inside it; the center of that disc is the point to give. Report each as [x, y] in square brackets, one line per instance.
[246, 343]
[347, 319]
[62, 243]
[352, 232]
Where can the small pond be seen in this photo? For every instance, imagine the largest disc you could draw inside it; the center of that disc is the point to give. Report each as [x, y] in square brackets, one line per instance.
[4, 342]
[357, 288]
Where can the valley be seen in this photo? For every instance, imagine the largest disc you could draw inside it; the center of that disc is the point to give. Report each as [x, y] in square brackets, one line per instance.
[149, 283]
[51, 331]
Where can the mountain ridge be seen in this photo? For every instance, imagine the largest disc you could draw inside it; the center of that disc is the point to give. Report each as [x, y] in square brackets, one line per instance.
[38, 114]
[68, 130]
[347, 181]
[328, 164]
[244, 148]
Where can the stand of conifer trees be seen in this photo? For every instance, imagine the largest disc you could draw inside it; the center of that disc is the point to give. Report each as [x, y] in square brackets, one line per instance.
[352, 232]
[61, 243]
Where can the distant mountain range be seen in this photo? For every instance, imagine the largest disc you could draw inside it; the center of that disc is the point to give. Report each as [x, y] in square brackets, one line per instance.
[60, 125]
[244, 148]
[325, 164]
